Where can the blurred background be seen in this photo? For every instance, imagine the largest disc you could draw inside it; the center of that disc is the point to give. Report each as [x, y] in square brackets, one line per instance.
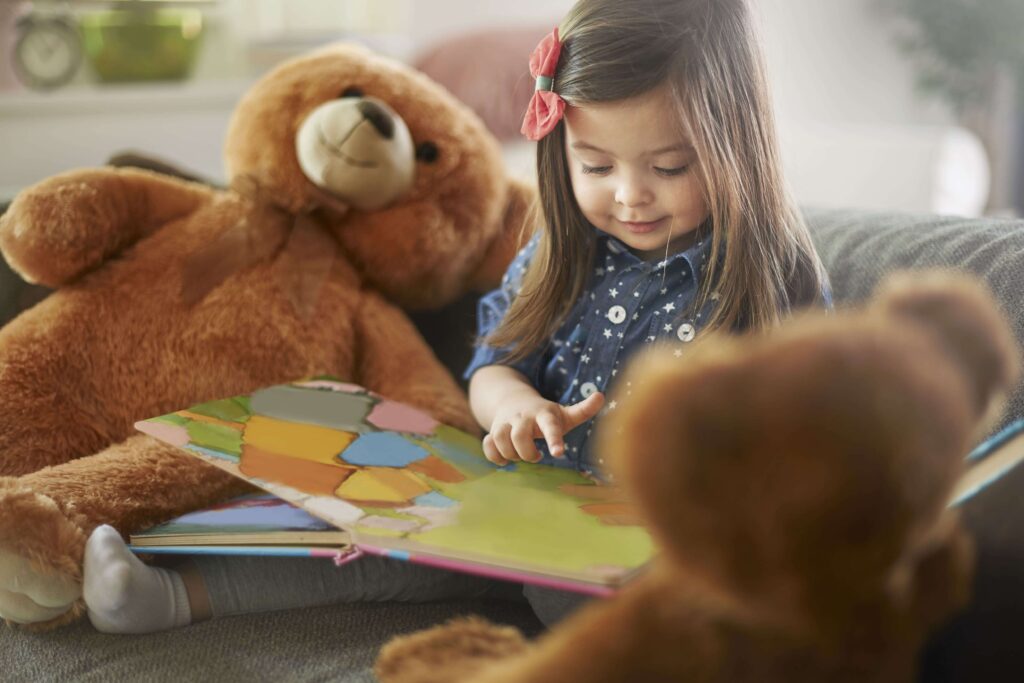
[913, 105]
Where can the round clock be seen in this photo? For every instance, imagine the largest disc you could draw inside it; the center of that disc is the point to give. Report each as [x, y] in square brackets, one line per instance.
[48, 51]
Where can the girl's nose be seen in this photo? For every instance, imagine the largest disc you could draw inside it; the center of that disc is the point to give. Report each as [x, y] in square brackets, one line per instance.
[632, 192]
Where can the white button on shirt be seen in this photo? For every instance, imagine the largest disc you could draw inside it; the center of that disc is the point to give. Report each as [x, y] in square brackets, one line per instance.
[587, 388]
[616, 314]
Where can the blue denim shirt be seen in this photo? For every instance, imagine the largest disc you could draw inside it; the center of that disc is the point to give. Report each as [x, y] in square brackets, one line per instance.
[629, 303]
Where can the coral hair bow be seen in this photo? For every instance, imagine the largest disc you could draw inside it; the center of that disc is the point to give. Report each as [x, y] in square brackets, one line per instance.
[546, 107]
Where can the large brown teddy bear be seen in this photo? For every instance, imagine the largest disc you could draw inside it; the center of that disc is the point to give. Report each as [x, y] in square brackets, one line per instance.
[797, 483]
[358, 188]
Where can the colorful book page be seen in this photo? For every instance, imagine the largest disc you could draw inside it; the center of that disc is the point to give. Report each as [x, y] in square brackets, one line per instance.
[253, 512]
[395, 478]
[258, 518]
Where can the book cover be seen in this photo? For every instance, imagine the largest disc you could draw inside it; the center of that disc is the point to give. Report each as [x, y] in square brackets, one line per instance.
[403, 485]
[252, 522]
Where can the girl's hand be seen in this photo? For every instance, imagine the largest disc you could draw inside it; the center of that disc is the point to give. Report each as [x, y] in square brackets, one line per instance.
[519, 421]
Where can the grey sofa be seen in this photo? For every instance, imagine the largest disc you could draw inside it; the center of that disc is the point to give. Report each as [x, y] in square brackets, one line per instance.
[340, 642]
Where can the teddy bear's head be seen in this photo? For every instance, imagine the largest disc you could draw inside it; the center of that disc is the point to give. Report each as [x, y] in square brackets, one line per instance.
[806, 470]
[412, 184]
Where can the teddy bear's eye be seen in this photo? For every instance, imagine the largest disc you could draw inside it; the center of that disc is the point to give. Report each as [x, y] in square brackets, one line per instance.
[352, 91]
[427, 152]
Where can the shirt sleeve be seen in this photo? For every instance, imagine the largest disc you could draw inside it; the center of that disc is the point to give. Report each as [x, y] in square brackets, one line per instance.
[491, 311]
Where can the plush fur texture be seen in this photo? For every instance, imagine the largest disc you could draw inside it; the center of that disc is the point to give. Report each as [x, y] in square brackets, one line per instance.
[120, 341]
[796, 482]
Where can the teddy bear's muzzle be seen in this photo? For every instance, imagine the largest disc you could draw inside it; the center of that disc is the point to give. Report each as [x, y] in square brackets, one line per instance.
[358, 150]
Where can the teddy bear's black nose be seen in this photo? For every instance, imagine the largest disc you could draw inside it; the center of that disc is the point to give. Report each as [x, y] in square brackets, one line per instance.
[380, 119]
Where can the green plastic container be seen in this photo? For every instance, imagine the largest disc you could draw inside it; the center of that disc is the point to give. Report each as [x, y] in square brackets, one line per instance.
[142, 45]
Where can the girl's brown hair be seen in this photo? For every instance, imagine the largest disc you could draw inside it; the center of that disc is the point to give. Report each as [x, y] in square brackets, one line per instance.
[708, 55]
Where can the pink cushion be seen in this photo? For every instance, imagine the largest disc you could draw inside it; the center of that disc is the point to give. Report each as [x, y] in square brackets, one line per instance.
[489, 71]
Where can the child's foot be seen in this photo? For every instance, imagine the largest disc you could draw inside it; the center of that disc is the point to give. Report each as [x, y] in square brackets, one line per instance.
[124, 595]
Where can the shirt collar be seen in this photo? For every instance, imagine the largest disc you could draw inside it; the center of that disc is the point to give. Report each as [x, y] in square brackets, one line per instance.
[696, 255]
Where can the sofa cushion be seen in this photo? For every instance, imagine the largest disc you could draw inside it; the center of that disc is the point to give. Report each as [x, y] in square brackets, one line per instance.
[859, 248]
[335, 643]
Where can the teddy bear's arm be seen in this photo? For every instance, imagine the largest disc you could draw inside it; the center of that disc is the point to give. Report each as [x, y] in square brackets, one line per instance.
[645, 633]
[397, 363]
[451, 653]
[68, 224]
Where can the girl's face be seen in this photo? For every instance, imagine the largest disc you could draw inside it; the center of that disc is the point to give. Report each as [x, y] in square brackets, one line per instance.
[633, 176]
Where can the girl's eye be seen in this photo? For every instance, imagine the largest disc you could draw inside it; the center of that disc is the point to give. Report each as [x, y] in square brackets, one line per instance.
[596, 170]
[669, 172]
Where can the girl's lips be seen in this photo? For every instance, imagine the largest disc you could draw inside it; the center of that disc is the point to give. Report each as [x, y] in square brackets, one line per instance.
[642, 228]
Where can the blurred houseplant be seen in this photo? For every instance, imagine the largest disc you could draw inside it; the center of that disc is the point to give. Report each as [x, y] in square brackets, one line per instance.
[971, 53]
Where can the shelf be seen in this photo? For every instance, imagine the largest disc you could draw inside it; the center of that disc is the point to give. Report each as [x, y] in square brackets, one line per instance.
[145, 97]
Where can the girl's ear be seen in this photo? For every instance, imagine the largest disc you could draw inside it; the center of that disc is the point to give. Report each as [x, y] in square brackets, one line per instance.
[518, 222]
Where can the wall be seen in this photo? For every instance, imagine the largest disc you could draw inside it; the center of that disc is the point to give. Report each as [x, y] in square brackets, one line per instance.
[829, 60]
[854, 129]
[437, 19]
[838, 81]
[835, 60]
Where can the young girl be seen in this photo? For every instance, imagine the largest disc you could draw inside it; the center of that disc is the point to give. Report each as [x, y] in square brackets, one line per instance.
[665, 217]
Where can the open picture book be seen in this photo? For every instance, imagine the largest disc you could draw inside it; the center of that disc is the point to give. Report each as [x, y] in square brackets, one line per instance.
[397, 483]
[402, 485]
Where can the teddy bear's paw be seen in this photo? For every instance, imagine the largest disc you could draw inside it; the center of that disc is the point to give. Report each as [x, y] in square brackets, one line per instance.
[58, 228]
[448, 653]
[28, 597]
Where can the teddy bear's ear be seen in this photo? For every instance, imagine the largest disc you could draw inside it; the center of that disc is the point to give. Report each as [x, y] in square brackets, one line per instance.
[518, 221]
[965, 318]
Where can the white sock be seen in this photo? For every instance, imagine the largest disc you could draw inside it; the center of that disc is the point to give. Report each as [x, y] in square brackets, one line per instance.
[123, 595]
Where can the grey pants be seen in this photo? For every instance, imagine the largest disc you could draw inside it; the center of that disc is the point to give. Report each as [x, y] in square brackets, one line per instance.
[242, 585]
